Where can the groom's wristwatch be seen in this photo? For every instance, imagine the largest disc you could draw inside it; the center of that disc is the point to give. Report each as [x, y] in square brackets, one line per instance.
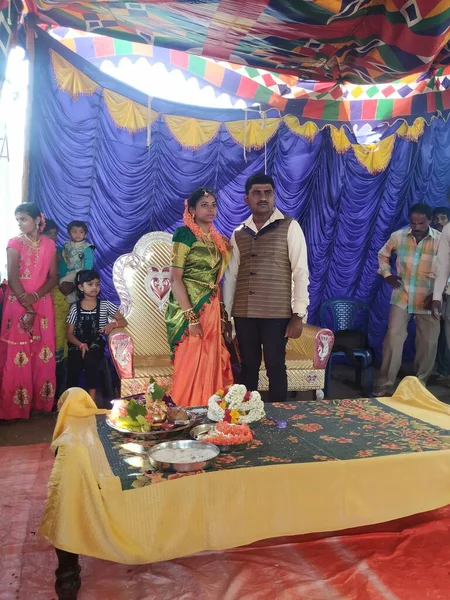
[300, 315]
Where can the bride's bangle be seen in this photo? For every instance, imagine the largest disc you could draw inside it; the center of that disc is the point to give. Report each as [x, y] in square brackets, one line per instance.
[191, 316]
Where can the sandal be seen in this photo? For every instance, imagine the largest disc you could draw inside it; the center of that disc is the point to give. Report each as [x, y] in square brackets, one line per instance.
[382, 392]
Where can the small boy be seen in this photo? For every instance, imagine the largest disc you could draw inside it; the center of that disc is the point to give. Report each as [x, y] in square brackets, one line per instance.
[78, 255]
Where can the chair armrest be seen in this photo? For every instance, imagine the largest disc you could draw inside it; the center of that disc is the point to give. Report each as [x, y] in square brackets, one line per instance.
[324, 347]
[314, 344]
[121, 348]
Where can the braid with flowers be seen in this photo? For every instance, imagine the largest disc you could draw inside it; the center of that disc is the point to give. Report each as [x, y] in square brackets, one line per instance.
[42, 223]
[189, 222]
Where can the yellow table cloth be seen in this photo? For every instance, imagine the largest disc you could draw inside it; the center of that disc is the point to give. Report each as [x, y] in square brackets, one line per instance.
[88, 512]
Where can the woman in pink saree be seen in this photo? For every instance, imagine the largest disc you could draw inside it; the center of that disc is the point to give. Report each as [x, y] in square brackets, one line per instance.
[27, 338]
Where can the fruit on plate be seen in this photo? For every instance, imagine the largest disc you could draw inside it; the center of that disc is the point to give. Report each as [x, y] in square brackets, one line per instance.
[158, 412]
[178, 414]
[226, 434]
[144, 412]
[136, 416]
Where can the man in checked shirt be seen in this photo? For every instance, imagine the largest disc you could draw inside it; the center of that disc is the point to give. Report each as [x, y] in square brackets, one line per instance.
[415, 248]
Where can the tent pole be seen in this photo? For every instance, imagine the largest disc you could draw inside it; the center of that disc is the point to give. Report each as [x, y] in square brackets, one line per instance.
[30, 34]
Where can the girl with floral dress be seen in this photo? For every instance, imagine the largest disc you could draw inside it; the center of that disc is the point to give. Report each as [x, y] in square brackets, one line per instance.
[27, 337]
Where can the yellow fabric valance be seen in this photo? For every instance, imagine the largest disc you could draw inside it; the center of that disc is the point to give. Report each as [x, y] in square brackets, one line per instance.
[192, 133]
[127, 114]
[308, 130]
[340, 140]
[253, 134]
[412, 132]
[69, 79]
[250, 133]
[374, 157]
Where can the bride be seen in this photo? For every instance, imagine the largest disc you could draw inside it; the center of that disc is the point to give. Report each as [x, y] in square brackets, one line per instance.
[195, 317]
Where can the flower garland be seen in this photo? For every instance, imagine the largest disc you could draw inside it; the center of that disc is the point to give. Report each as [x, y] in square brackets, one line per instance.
[189, 222]
[225, 434]
[236, 405]
[42, 223]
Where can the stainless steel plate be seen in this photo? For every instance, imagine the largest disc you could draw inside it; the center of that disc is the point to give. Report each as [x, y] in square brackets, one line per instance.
[200, 431]
[188, 447]
[160, 433]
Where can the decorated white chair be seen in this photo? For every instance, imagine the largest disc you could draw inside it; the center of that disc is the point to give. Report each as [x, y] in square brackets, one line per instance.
[141, 350]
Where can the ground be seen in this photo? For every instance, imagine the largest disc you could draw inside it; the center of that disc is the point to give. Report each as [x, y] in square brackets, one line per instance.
[39, 428]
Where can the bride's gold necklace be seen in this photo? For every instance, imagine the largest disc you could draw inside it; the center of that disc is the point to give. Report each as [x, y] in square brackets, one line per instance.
[213, 257]
[33, 243]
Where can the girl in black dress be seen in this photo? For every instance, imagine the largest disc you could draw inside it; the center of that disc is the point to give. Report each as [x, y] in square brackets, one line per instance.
[89, 322]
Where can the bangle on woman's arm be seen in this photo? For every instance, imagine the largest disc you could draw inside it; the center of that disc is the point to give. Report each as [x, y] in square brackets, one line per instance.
[223, 313]
[191, 316]
[35, 296]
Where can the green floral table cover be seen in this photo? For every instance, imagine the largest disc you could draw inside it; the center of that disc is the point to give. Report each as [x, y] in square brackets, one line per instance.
[297, 432]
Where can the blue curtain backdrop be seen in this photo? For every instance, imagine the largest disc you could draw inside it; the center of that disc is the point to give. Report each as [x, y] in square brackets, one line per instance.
[84, 167]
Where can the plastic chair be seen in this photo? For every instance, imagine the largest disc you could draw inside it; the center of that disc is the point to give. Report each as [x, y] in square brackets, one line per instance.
[339, 314]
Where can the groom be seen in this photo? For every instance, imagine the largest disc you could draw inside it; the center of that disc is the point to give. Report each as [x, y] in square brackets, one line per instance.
[266, 286]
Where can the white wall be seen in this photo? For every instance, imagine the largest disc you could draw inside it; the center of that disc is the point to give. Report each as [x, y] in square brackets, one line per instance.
[12, 122]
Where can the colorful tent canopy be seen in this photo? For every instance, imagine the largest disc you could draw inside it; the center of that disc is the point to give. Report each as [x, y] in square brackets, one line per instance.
[252, 84]
[360, 41]
[9, 14]
[194, 127]
[411, 97]
[256, 86]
